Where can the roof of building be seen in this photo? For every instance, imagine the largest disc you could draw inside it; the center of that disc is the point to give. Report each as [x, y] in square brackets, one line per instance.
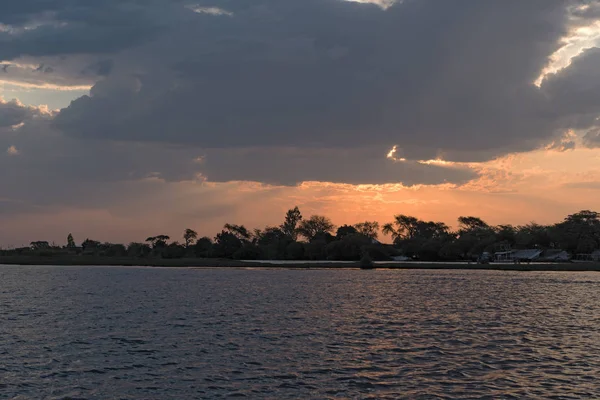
[525, 254]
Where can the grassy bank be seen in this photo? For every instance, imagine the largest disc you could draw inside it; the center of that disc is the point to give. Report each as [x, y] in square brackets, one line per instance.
[222, 263]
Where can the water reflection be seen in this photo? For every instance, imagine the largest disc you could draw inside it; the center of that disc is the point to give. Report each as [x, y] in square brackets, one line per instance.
[174, 333]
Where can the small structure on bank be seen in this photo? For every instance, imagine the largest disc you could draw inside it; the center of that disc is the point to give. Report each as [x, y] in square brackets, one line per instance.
[525, 255]
[529, 255]
[555, 255]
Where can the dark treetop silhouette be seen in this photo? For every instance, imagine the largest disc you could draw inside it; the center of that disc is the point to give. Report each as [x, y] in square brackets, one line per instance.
[316, 238]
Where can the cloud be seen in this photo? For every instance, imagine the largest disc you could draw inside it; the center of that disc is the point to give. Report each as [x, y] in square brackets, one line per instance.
[575, 91]
[291, 166]
[592, 138]
[12, 151]
[101, 68]
[357, 75]
[64, 27]
[13, 113]
[282, 92]
[567, 142]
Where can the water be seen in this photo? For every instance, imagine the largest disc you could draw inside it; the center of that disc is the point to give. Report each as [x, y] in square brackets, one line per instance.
[146, 333]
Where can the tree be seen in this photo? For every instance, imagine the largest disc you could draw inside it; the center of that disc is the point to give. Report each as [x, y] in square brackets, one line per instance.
[189, 236]
[506, 235]
[158, 241]
[533, 235]
[403, 227]
[470, 224]
[203, 247]
[290, 225]
[272, 242]
[173, 250]
[113, 250]
[239, 231]
[344, 231]
[271, 234]
[226, 244]
[350, 248]
[582, 227]
[315, 226]
[138, 250]
[89, 244]
[369, 229]
[70, 242]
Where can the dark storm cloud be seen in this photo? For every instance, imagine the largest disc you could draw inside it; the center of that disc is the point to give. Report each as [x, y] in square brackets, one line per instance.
[63, 27]
[428, 75]
[354, 166]
[575, 91]
[53, 170]
[328, 79]
[100, 68]
[58, 164]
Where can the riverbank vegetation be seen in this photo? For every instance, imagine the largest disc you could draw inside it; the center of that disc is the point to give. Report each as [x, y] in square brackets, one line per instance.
[317, 238]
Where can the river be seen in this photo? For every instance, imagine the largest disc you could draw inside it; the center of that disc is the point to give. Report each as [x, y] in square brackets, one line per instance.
[175, 333]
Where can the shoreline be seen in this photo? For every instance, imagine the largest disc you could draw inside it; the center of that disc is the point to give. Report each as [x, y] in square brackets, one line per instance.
[225, 263]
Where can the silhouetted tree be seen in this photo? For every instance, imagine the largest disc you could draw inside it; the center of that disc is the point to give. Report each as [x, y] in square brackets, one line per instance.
[270, 235]
[138, 250]
[403, 227]
[226, 244]
[159, 241]
[474, 236]
[70, 242]
[368, 228]
[314, 226]
[579, 232]
[173, 250]
[89, 245]
[350, 247]
[533, 235]
[412, 237]
[506, 235]
[344, 231]
[470, 224]
[203, 247]
[290, 225]
[238, 231]
[189, 236]
[112, 250]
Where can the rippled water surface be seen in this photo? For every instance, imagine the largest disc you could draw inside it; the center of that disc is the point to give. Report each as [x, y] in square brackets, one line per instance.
[150, 333]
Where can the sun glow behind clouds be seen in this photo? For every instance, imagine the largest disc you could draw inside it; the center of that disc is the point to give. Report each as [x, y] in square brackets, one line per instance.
[437, 161]
[392, 154]
[381, 3]
[209, 10]
[13, 151]
[583, 35]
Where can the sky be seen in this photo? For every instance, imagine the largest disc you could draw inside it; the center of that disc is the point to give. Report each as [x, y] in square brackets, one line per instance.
[122, 119]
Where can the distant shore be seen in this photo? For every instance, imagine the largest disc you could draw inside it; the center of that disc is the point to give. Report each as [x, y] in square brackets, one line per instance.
[225, 263]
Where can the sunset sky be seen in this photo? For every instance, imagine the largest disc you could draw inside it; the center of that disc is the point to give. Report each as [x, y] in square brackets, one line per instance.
[121, 119]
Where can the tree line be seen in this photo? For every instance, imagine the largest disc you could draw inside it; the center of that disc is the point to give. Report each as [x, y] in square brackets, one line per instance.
[317, 238]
